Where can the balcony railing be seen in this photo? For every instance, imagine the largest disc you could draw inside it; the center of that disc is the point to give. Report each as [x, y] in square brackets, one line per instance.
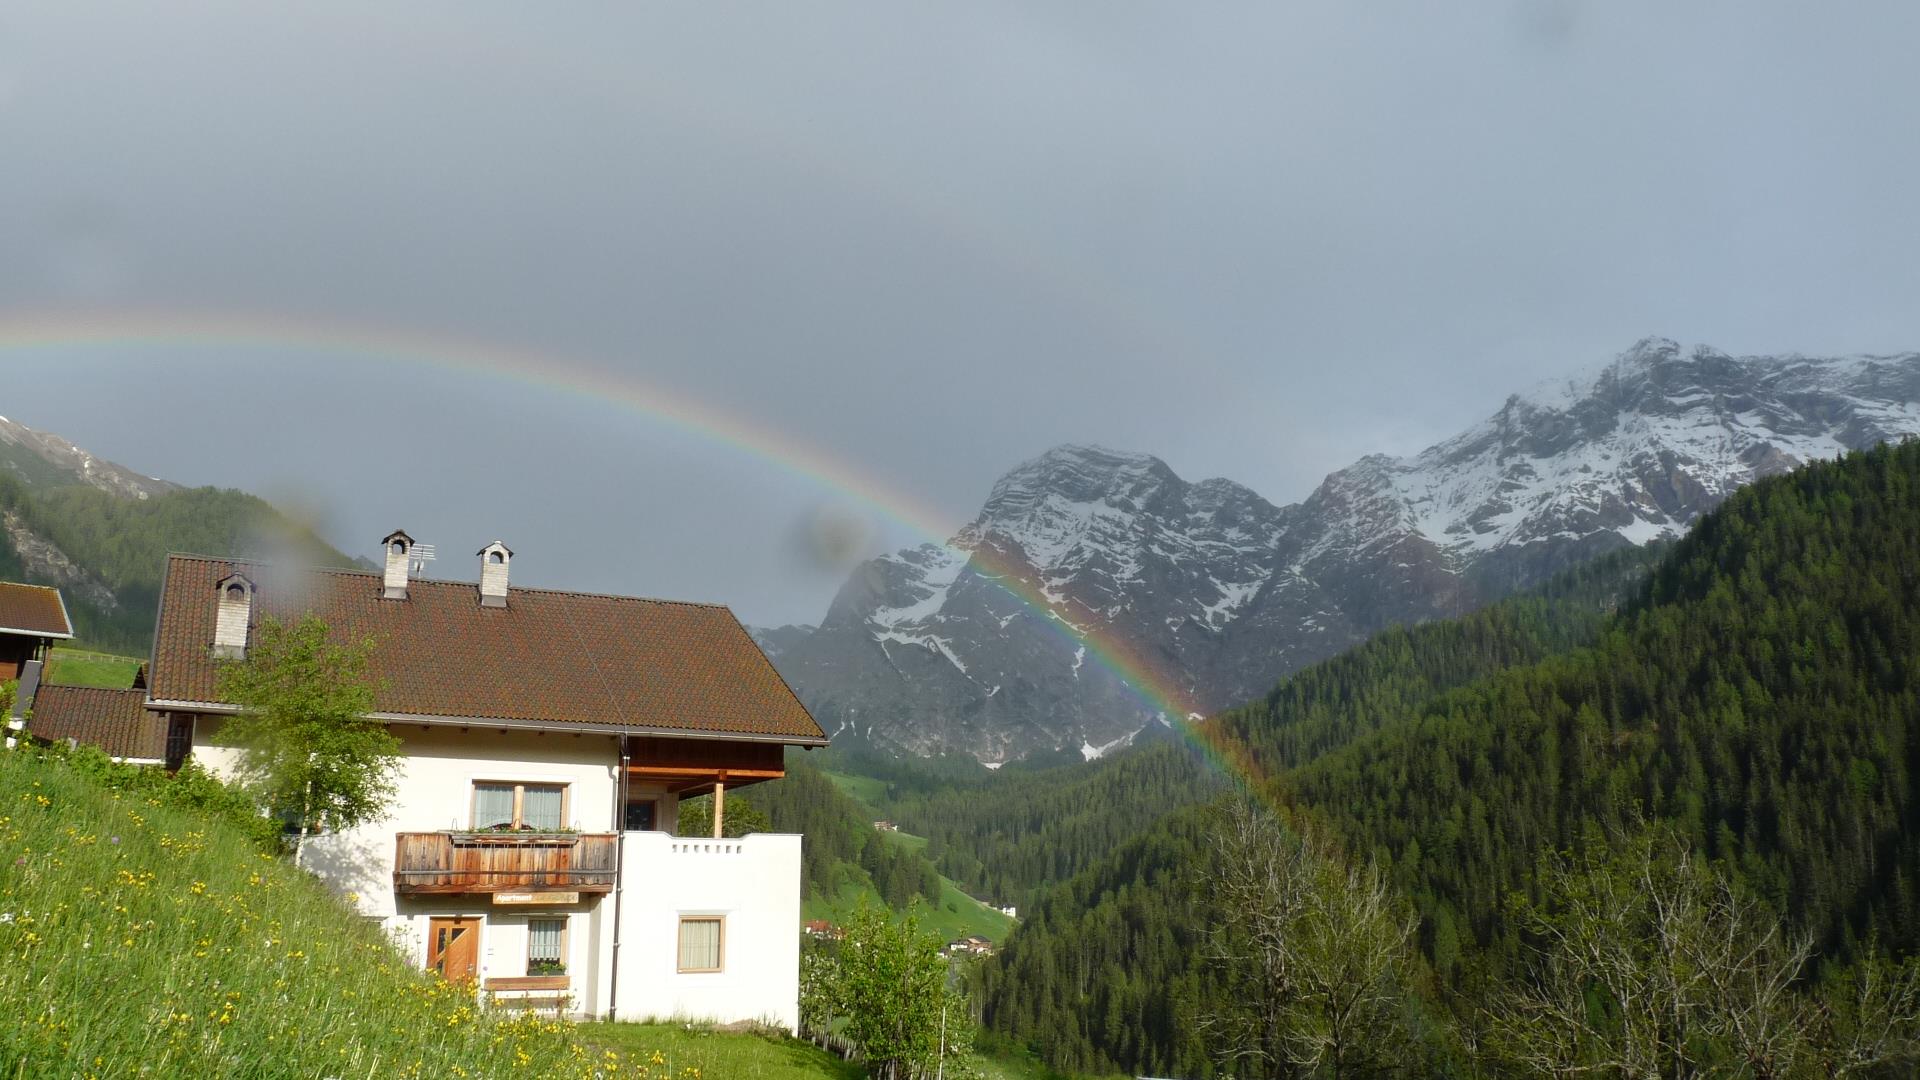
[450, 862]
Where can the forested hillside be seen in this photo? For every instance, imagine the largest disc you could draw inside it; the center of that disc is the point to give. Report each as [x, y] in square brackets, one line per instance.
[1758, 696]
[1763, 696]
[112, 548]
[1011, 833]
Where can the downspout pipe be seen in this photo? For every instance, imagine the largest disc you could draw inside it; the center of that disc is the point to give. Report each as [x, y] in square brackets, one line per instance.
[619, 871]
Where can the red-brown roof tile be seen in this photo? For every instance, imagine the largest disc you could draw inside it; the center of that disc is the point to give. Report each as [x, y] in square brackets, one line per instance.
[548, 657]
[34, 610]
[113, 720]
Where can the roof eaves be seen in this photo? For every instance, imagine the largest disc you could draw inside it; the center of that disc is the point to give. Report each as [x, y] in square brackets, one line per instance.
[36, 633]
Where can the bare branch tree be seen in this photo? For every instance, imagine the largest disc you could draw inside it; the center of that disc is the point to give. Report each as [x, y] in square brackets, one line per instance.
[1649, 964]
[1315, 947]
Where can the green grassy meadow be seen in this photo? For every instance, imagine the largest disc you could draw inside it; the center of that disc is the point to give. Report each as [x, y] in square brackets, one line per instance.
[865, 790]
[140, 937]
[77, 667]
[680, 1051]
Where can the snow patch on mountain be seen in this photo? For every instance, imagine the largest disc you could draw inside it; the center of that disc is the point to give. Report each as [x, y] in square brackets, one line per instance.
[1213, 588]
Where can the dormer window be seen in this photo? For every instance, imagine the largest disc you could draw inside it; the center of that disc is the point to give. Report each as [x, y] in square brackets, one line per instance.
[233, 617]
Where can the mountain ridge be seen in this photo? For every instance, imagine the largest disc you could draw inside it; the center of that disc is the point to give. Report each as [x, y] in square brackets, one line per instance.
[1212, 592]
[100, 532]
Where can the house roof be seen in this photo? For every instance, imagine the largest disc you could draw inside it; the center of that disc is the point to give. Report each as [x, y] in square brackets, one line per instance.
[113, 720]
[548, 658]
[33, 610]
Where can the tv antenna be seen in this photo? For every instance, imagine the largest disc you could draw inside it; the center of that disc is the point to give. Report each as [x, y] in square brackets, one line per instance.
[421, 554]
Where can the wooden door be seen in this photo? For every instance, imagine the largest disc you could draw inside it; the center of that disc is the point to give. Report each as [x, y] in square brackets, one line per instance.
[453, 946]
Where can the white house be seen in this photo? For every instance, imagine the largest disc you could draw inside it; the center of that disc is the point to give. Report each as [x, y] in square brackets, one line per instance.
[548, 740]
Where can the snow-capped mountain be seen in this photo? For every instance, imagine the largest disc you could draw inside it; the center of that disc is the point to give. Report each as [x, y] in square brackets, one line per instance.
[1206, 593]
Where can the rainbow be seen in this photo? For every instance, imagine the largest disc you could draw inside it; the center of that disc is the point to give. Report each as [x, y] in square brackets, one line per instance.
[1151, 680]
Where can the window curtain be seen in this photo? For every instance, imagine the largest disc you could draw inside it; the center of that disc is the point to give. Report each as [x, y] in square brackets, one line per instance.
[492, 805]
[543, 939]
[540, 807]
[699, 944]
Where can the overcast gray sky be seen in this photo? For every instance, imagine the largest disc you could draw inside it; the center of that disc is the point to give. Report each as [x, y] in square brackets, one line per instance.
[923, 242]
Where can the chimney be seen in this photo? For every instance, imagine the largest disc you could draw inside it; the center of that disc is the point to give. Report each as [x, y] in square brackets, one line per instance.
[398, 544]
[235, 594]
[493, 574]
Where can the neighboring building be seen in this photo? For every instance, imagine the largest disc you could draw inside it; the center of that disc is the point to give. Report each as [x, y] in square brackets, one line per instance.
[116, 721]
[1008, 910]
[969, 946]
[822, 929]
[548, 739]
[885, 826]
[32, 618]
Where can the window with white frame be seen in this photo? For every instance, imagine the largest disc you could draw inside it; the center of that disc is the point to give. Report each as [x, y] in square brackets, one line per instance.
[503, 805]
[546, 946]
[702, 942]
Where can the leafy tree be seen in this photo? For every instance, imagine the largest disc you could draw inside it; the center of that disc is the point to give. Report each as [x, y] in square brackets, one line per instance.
[884, 992]
[307, 749]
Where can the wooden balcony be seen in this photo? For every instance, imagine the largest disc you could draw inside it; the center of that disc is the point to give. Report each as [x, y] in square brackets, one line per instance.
[456, 862]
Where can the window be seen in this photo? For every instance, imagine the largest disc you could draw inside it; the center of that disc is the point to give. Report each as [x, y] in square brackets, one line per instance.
[642, 815]
[498, 805]
[701, 940]
[546, 946]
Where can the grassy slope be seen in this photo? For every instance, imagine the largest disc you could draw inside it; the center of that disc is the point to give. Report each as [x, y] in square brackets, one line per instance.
[958, 914]
[137, 937]
[676, 1051]
[867, 790]
[76, 667]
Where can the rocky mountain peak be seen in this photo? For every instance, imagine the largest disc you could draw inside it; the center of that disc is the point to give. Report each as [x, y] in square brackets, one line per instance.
[1220, 592]
[1079, 474]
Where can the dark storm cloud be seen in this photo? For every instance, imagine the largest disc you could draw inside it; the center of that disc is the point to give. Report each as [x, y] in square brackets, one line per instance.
[1259, 240]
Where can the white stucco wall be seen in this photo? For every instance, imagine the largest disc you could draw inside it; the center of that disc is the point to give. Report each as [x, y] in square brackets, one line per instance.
[754, 883]
[434, 791]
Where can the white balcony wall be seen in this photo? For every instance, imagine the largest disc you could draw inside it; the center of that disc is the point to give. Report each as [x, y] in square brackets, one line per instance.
[754, 884]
